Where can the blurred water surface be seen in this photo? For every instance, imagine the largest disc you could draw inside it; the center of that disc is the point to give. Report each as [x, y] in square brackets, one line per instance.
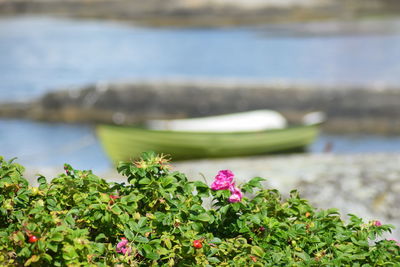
[38, 144]
[38, 54]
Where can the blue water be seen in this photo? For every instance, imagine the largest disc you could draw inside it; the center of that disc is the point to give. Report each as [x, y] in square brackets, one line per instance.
[39, 54]
[38, 144]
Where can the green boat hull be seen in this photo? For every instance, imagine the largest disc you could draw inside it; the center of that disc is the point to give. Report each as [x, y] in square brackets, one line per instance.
[126, 143]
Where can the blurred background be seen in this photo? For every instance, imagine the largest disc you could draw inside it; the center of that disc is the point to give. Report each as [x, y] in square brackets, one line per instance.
[59, 58]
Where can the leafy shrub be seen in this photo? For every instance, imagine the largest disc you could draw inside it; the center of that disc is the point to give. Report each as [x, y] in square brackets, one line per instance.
[158, 219]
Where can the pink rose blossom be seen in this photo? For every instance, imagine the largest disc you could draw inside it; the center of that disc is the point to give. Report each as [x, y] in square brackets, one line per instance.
[122, 243]
[377, 223]
[395, 240]
[126, 251]
[237, 195]
[234, 198]
[225, 175]
[232, 188]
[223, 180]
[220, 184]
[121, 247]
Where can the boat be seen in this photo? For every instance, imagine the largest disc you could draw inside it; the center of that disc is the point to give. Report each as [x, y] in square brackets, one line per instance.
[211, 137]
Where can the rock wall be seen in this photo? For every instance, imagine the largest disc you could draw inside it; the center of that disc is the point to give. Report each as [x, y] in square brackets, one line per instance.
[201, 13]
[348, 109]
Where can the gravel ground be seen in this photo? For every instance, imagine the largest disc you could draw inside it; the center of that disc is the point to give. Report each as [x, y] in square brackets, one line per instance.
[367, 185]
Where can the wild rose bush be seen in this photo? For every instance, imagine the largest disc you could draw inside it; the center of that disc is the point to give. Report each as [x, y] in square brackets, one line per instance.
[158, 219]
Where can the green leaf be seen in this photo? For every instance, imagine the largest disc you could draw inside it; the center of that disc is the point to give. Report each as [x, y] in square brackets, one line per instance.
[213, 260]
[215, 240]
[167, 181]
[141, 239]
[259, 252]
[106, 218]
[256, 182]
[149, 253]
[52, 246]
[128, 234]
[25, 252]
[46, 257]
[145, 181]
[255, 219]
[200, 184]
[51, 202]
[69, 253]
[34, 258]
[303, 256]
[41, 245]
[116, 210]
[100, 237]
[204, 217]
[167, 242]
[41, 180]
[70, 220]
[253, 183]
[57, 236]
[142, 222]
[20, 236]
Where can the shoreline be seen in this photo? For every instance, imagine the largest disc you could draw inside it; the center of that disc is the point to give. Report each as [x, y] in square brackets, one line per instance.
[349, 109]
[212, 13]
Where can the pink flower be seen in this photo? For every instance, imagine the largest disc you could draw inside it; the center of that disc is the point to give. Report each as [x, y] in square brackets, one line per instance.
[395, 240]
[225, 174]
[223, 180]
[122, 244]
[234, 198]
[126, 251]
[121, 247]
[220, 184]
[237, 195]
[377, 223]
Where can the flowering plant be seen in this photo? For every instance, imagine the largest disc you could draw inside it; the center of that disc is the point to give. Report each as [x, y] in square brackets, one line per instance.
[157, 218]
[224, 181]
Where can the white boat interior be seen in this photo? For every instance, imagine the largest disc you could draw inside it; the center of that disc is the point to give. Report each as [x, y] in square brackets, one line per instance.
[257, 120]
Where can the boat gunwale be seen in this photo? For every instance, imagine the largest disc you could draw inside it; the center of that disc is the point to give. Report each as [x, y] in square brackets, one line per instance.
[142, 129]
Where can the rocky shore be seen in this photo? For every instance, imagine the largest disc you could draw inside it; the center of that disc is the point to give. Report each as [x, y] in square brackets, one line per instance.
[367, 185]
[367, 109]
[204, 13]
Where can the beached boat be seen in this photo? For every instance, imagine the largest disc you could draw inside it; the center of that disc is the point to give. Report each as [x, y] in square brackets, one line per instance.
[218, 136]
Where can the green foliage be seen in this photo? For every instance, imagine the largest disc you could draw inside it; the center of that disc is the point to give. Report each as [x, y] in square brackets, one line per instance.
[79, 219]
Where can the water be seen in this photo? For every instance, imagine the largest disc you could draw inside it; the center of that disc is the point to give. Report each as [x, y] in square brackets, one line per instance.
[37, 144]
[39, 54]
[47, 145]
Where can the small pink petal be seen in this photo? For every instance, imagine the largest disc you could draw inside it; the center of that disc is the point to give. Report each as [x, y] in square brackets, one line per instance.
[234, 198]
[225, 175]
[221, 184]
[122, 243]
[126, 251]
[377, 223]
[235, 190]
